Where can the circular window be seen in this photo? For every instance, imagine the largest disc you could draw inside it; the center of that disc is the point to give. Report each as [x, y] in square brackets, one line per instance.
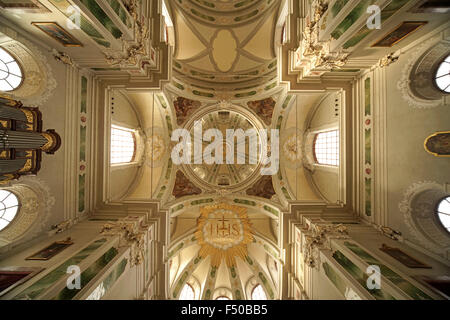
[9, 205]
[443, 212]
[258, 293]
[10, 73]
[442, 77]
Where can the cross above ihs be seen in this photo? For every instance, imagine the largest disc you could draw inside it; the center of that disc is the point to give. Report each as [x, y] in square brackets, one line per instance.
[224, 229]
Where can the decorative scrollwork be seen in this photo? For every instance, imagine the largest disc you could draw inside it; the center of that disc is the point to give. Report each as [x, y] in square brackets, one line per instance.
[315, 51]
[130, 235]
[319, 238]
[137, 50]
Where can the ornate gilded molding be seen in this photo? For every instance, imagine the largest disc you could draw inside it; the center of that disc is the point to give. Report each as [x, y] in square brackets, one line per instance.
[388, 59]
[319, 237]
[130, 235]
[63, 58]
[438, 144]
[313, 54]
[138, 50]
[223, 232]
[389, 232]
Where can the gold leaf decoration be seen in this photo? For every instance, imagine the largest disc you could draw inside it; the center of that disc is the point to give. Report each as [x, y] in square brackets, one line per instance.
[223, 232]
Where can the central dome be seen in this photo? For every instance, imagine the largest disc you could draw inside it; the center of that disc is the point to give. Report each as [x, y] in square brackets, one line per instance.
[246, 160]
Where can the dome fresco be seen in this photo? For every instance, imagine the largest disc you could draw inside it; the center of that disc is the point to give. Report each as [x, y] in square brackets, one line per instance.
[243, 167]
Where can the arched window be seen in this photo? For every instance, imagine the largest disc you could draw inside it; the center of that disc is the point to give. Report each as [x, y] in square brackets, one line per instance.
[222, 298]
[187, 293]
[123, 145]
[443, 212]
[258, 293]
[284, 34]
[442, 76]
[326, 148]
[9, 205]
[10, 72]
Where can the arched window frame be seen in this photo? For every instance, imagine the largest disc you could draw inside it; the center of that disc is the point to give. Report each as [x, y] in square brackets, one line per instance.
[443, 62]
[18, 205]
[440, 212]
[134, 159]
[262, 289]
[324, 166]
[187, 285]
[284, 33]
[22, 74]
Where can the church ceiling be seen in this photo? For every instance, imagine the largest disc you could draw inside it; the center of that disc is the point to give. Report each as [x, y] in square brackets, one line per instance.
[222, 249]
[222, 46]
[226, 176]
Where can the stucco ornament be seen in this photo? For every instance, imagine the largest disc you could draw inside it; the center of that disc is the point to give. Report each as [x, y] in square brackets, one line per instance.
[419, 213]
[36, 201]
[404, 83]
[39, 83]
[130, 235]
[319, 237]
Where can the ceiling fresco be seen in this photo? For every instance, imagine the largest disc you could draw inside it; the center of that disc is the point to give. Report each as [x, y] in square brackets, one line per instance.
[220, 245]
[213, 176]
[226, 45]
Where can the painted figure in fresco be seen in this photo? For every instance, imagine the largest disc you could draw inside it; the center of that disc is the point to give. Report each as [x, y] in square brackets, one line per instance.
[262, 188]
[438, 144]
[263, 108]
[184, 107]
[183, 187]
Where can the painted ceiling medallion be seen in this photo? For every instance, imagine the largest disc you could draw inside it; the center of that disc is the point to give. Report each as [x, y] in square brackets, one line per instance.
[223, 232]
[224, 50]
[156, 148]
[292, 148]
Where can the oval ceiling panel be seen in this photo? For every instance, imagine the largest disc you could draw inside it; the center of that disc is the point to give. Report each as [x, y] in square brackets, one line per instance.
[224, 50]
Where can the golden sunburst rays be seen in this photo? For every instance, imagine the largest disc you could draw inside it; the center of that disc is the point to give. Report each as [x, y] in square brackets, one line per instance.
[223, 232]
